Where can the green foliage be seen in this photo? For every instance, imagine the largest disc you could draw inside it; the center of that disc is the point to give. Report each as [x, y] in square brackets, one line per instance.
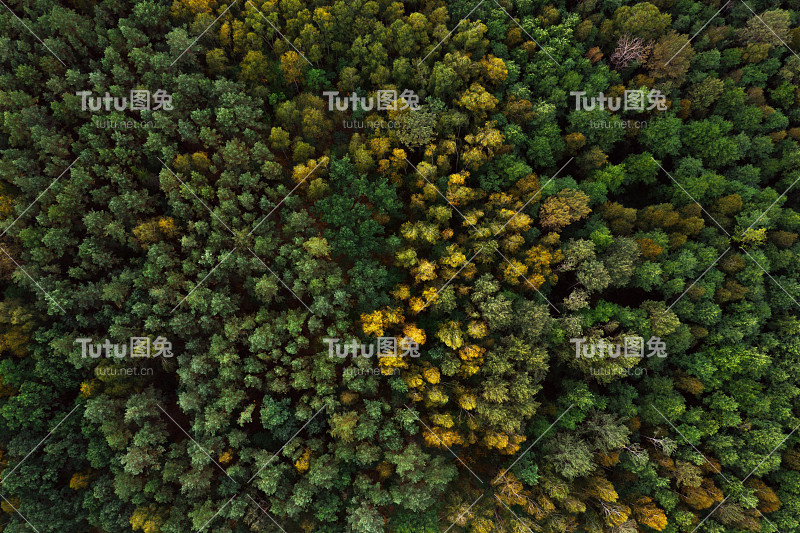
[493, 226]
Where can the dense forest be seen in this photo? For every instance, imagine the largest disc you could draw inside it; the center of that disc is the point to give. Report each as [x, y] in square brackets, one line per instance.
[371, 266]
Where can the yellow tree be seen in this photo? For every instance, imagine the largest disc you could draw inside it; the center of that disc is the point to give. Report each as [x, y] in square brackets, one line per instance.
[478, 101]
[564, 208]
[648, 514]
[292, 65]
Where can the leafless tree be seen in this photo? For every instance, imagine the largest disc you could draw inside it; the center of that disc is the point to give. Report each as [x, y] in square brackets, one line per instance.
[629, 49]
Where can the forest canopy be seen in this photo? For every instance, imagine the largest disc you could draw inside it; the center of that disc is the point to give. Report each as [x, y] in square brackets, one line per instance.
[375, 266]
